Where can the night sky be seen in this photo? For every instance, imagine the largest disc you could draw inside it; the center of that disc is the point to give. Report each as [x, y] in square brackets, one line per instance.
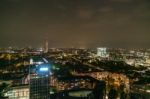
[75, 23]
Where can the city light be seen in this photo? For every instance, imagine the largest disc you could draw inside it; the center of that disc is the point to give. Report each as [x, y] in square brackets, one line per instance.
[75, 49]
[44, 69]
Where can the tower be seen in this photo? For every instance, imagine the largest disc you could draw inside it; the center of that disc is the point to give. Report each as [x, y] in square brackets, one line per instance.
[40, 81]
[46, 47]
[102, 52]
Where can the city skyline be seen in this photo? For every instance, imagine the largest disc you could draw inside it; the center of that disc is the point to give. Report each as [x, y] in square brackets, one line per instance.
[75, 23]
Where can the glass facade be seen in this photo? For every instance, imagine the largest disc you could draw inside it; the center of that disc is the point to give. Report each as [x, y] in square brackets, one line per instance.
[39, 82]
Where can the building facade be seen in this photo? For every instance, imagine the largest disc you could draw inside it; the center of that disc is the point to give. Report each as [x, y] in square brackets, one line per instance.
[17, 92]
[102, 52]
[39, 81]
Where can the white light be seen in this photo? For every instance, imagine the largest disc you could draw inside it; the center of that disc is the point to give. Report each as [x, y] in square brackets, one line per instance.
[45, 60]
[148, 91]
[39, 63]
[44, 69]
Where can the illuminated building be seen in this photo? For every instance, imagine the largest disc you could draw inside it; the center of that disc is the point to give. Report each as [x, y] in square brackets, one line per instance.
[46, 47]
[39, 81]
[17, 92]
[74, 82]
[102, 52]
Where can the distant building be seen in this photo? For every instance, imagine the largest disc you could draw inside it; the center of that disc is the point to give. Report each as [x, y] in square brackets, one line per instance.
[130, 61]
[102, 52]
[148, 60]
[81, 87]
[46, 47]
[74, 82]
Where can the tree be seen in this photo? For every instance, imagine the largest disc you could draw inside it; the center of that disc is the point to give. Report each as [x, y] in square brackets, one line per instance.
[2, 87]
[123, 95]
[112, 94]
[99, 90]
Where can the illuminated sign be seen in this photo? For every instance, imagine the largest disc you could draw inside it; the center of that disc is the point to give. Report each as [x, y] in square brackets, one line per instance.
[43, 69]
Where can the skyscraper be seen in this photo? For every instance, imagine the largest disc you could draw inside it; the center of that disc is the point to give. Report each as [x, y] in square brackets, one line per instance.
[102, 52]
[39, 81]
[46, 47]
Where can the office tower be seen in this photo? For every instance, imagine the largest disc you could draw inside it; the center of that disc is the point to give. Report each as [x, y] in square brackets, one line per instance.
[102, 52]
[39, 81]
[46, 47]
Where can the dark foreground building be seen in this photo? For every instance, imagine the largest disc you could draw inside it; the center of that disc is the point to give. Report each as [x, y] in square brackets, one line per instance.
[39, 82]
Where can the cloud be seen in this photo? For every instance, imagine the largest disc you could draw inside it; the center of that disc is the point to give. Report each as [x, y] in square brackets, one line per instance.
[76, 22]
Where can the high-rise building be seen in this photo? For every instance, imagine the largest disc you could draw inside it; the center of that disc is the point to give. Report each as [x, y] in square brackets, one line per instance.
[102, 52]
[46, 47]
[39, 81]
